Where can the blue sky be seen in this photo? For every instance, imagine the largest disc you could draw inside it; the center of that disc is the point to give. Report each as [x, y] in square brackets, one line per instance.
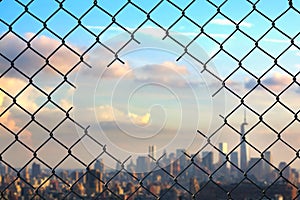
[151, 91]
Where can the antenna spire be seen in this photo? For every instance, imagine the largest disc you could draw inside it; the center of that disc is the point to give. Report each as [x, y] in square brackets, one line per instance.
[245, 116]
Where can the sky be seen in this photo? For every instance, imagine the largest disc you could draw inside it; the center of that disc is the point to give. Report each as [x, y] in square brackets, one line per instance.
[148, 97]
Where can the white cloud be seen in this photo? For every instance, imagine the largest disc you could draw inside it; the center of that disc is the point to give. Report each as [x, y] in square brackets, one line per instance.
[117, 70]
[29, 62]
[169, 74]
[160, 33]
[141, 120]
[226, 22]
[219, 35]
[213, 52]
[213, 35]
[11, 122]
[111, 28]
[276, 81]
[276, 40]
[107, 113]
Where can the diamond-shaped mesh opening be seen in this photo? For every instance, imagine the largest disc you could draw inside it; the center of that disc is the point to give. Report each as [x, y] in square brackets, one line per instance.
[162, 20]
[76, 36]
[11, 46]
[220, 28]
[67, 133]
[79, 10]
[265, 62]
[293, 65]
[84, 154]
[4, 64]
[146, 5]
[251, 21]
[110, 7]
[244, 7]
[58, 188]
[277, 124]
[59, 153]
[48, 8]
[130, 12]
[13, 82]
[27, 24]
[33, 136]
[90, 20]
[19, 150]
[31, 99]
[61, 23]
[6, 139]
[289, 135]
[8, 16]
[184, 27]
[45, 113]
[114, 31]
[45, 43]
[3, 29]
[237, 82]
[202, 19]
[289, 27]
[274, 12]
[261, 137]
[59, 62]
[50, 84]
[288, 153]
[224, 63]
[68, 163]
[244, 48]
[15, 120]
[258, 106]
[276, 80]
[275, 43]
[98, 56]
[29, 62]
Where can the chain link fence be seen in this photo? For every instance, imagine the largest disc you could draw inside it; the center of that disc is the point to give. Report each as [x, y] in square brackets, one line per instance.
[37, 36]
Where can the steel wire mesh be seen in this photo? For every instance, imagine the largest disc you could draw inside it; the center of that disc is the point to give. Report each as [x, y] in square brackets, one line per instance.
[57, 185]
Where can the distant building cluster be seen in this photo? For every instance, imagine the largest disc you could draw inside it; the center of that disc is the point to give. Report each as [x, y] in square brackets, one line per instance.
[179, 177]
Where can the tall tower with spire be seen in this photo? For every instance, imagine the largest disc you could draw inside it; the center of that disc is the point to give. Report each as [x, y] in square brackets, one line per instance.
[243, 153]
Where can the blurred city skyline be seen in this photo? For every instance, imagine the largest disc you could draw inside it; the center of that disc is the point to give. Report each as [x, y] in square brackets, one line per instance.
[176, 105]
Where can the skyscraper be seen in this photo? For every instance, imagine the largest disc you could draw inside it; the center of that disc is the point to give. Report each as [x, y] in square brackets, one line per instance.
[99, 164]
[94, 182]
[152, 151]
[234, 158]
[35, 170]
[234, 172]
[207, 160]
[3, 169]
[182, 158]
[26, 174]
[142, 164]
[224, 148]
[267, 166]
[194, 185]
[243, 148]
[286, 170]
[256, 170]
